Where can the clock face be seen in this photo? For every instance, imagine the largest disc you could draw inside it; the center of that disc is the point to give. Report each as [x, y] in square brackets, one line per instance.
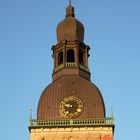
[71, 106]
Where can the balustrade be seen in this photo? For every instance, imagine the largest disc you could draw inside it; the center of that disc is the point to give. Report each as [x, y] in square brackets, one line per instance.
[72, 122]
[71, 65]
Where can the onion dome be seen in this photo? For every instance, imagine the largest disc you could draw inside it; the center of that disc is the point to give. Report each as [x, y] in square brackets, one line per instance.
[70, 28]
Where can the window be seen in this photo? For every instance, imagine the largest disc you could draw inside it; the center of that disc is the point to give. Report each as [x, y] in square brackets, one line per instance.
[60, 58]
[70, 56]
[81, 59]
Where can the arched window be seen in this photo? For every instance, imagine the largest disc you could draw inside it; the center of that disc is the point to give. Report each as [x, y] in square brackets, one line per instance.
[81, 59]
[60, 58]
[70, 56]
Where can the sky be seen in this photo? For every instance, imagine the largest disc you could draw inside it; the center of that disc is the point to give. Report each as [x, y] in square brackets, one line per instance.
[27, 33]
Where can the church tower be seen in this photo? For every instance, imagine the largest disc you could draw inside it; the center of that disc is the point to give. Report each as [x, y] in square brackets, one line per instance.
[71, 107]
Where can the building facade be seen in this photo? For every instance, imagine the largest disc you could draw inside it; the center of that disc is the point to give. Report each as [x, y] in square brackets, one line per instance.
[71, 107]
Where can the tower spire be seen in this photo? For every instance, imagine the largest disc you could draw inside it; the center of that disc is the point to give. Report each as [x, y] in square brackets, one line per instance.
[69, 2]
[70, 10]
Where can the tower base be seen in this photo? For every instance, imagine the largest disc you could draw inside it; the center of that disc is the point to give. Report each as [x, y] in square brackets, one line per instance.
[72, 133]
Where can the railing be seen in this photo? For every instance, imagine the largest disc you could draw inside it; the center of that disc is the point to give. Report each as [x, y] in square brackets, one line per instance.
[71, 65]
[72, 122]
[59, 67]
[83, 67]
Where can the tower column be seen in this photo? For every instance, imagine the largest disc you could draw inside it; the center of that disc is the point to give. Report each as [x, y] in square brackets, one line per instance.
[86, 56]
[64, 52]
[77, 55]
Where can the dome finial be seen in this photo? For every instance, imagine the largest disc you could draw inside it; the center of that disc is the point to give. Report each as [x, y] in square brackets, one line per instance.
[112, 114]
[70, 10]
[69, 2]
[30, 117]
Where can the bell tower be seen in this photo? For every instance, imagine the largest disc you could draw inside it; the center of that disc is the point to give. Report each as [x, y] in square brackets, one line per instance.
[71, 107]
[70, 53]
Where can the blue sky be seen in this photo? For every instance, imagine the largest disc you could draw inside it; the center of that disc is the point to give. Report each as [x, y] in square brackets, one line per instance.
[27, 32]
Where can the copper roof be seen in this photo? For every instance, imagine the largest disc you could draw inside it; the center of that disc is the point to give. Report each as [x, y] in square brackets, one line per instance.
[48, 106]
[70, 28]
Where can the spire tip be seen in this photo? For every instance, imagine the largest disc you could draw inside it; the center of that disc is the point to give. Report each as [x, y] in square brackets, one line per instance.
[112, 113]
[70, 10]
[30, 114]
[69, 2]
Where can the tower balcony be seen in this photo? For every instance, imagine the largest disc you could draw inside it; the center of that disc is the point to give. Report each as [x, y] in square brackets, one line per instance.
[71, 65]
[72, 122]
[71, 68]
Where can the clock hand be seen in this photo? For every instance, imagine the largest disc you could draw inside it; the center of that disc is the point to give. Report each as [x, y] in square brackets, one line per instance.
[67, 112]
[67, 105]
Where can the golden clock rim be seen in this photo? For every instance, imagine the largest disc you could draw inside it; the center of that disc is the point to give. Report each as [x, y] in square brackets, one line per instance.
[72, 98]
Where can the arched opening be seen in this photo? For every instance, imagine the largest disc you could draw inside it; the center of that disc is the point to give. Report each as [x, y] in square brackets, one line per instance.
[70, 56]
[81, 58]
[60, 58]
